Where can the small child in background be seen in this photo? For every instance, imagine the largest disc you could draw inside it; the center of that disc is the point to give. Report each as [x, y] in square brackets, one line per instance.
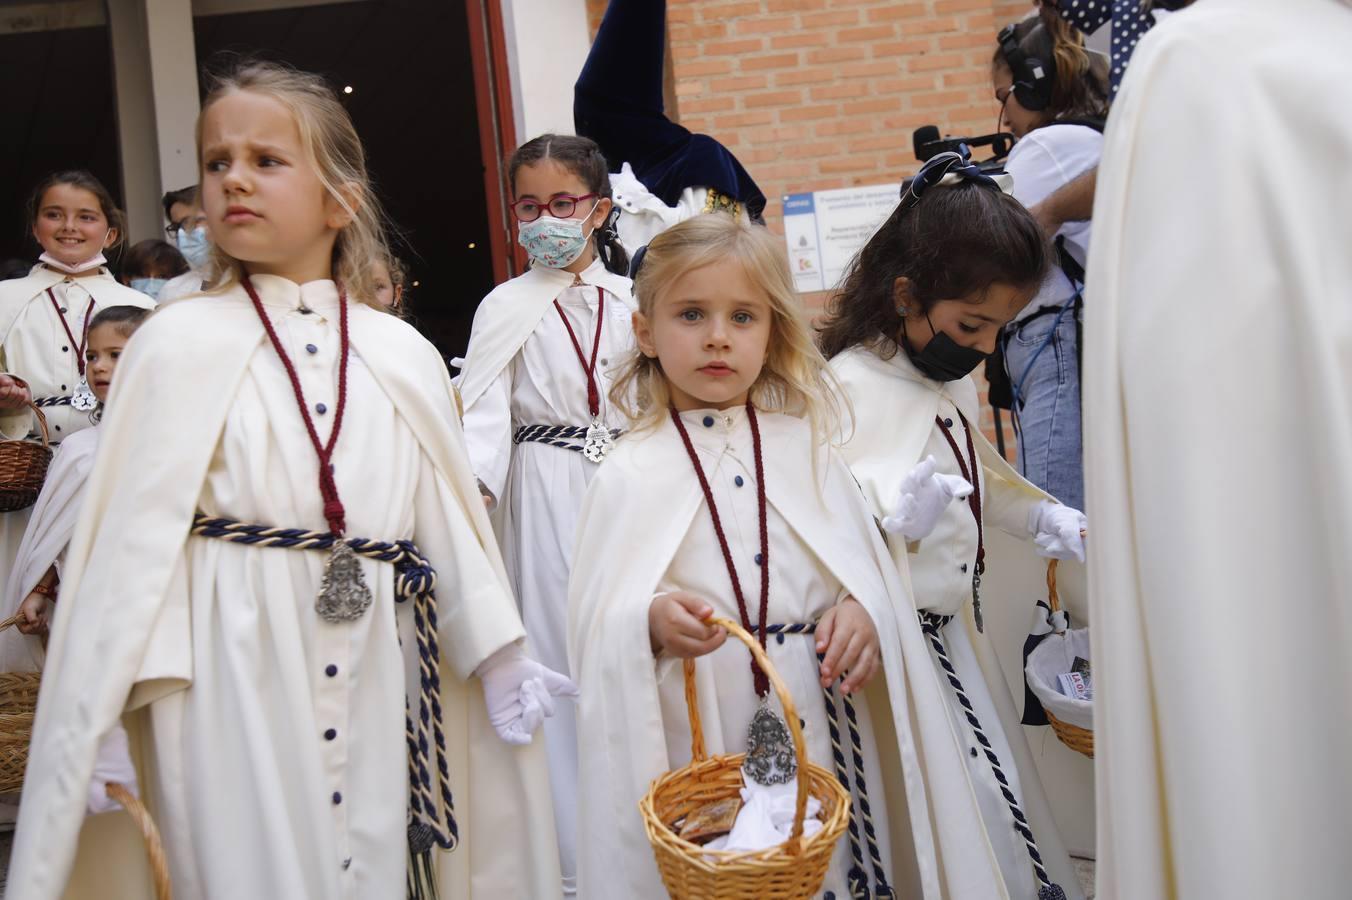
[35, 576]
[391, 276]
[149, 265]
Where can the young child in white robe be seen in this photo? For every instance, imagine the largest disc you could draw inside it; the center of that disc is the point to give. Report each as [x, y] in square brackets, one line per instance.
[34, 582]
[920, 308]
[538, 418]
[726, 499]
[279, 476]
[44, 318]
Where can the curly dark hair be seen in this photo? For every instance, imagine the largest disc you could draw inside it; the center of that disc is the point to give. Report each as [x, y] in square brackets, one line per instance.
[955, 241]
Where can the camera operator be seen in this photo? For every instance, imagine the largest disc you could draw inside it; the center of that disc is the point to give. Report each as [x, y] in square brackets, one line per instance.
[1053, 95]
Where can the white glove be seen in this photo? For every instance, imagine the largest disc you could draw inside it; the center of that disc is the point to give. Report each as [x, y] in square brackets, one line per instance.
[1057, 530]
[922, 498]
[519, 693]
[113, 764]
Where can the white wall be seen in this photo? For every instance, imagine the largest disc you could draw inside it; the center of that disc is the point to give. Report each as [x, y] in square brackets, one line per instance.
[547, 43]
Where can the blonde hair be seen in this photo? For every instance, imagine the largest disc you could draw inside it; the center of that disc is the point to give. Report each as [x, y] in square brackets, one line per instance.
[795, 379]
[331, 145]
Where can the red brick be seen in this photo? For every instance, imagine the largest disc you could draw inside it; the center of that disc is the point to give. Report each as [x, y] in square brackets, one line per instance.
[805, 75]
[869, 69]
[805, 113]
[705, 67]
[893, 11]
[940, 99]
[708, 104]
[877, 105]
[850, 165]
[776, 6]
[778, 61]
[762, 25]
[928, 62]
[712, 11]
[739, 83]
[836, 54]
[943, 7]
[743, 119]
[731, 48]
[845, 127]
[901, 49]
[814, 21]
[970, 39]
[869, 33]
[800, 39]
[772, 98]
[840, 91]
[930, 26]
[689, 88]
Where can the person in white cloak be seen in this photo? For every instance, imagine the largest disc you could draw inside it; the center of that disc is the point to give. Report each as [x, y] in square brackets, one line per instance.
[661, 173]
[727, 481]
[271, 678]
[921, 307]
[535, 385]
[1218, 443]
[44, 319]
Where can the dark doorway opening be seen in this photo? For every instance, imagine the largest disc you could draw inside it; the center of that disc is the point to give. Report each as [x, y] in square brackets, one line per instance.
[59, 114]
[409, 68]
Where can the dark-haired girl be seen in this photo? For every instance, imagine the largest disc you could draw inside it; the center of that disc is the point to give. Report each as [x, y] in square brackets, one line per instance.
[1053, 96]
[44, 318]
[535, 384]
[920, 308]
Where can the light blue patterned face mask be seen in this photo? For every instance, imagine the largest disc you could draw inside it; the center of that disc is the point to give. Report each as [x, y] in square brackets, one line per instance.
[195, 246]
[554, 243]
[151, 287]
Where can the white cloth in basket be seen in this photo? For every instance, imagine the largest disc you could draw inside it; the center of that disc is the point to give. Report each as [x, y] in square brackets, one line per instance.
[1055, 656]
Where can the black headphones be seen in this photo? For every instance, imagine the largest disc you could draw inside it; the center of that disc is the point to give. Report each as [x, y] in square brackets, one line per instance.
[1033, 79]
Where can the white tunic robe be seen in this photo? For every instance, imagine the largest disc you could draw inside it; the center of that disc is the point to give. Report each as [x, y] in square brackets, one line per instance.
[278, 738]
[34, 346]
[538, 487]
[893, 430]
[645, 528]
[1218, 459]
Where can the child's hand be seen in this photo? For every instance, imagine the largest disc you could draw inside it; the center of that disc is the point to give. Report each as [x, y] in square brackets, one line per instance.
[676, 624]
[34, 610]
[13, 393]
[847, 635]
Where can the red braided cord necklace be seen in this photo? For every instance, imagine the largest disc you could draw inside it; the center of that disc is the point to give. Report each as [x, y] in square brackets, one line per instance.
[334, 513]
[84, 338]
[973, 499]
[593, 391]
[761, 681]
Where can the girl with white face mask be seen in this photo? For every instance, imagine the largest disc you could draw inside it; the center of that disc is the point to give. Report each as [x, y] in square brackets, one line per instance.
[44, 318]
[534, 385]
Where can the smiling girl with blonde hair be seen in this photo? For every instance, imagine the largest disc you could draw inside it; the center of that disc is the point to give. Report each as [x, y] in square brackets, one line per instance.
[728, 500]
[253, 569]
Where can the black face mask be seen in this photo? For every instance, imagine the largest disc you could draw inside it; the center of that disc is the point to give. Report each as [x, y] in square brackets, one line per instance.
[943, 358]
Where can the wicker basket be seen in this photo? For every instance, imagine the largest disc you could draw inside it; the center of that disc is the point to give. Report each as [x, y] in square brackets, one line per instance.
[1081, 740]
[18, 704]
[23, 467]
[793, 869]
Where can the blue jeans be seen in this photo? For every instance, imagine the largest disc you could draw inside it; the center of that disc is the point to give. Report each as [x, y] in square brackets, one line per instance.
[1047, 403]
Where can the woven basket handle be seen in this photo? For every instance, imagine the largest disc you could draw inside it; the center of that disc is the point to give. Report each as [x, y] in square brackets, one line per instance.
[159, 863]
[697, 751]
[37, 411]
[1053, 598]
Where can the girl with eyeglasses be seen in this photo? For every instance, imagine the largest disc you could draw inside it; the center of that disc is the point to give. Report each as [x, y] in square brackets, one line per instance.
[535, 384]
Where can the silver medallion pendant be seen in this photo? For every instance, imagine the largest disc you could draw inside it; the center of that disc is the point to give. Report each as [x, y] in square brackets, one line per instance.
[769, 749]
[976, 603]
[83, 399]
[343, 594]
[598, 442]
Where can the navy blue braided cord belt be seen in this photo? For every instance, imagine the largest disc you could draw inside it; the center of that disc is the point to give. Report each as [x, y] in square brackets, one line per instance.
[568, 437]
[414, 579]
[862, 811]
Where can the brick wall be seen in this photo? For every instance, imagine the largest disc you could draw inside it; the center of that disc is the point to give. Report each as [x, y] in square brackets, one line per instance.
[821, 94]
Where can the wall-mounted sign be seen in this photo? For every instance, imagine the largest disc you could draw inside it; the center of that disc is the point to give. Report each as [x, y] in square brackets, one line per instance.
[825, 229]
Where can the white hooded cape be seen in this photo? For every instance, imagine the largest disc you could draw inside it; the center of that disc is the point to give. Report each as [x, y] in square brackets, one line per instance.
[893, 416]
[123, 625]
[636, 514]
[50, 527]
[1218, 441]
[509, 315]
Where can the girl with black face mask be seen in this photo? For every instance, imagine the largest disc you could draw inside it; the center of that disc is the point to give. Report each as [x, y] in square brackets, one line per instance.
[921, 307]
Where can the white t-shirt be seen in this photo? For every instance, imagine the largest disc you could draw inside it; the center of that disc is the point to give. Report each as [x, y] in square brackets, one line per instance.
[1041, 163]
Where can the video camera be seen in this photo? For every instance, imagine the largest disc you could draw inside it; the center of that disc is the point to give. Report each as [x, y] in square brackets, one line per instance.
[927, 142]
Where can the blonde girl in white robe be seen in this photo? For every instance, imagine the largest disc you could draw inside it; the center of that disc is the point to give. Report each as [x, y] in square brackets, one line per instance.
[726, 363]
[45, 316]
[277, 764]
[530, 399]
[920, 308]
